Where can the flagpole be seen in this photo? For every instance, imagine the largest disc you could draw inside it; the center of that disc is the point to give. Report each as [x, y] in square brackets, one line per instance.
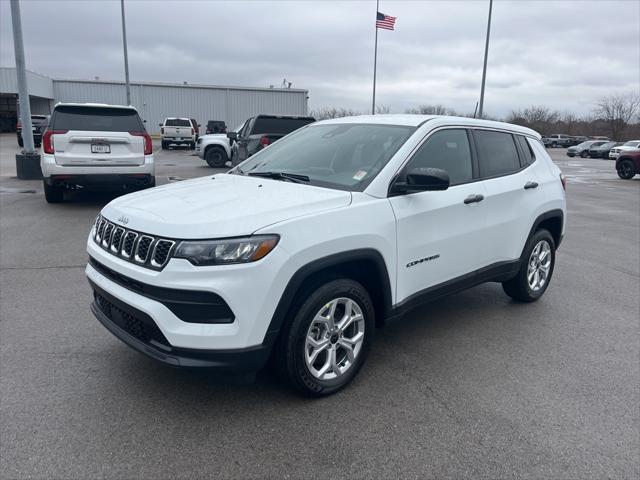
[375, 61]
[484, 68]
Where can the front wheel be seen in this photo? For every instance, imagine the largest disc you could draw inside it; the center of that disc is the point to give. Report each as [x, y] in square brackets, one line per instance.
[536, 269]
[329, 338]
[584, 154]
[216, 157]
[626, 169]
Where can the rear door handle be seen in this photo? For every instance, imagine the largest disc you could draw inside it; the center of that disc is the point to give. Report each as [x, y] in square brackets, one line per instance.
[475, 198]
[530, 185]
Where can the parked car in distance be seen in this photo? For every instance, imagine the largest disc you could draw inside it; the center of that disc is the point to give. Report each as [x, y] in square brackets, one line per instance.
[582, 150]
[601, 151]
[38, 126]
[261, 131]
[178, 131]
[630, 145]
[215, 148]
[628, 164]
[196, 127]
[303, 249]
[216, 126]
[557, 140]
[91, 145]
[577, 140]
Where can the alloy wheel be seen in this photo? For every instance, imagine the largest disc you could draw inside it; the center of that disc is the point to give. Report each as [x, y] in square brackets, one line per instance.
[539, 266]
[334, 339]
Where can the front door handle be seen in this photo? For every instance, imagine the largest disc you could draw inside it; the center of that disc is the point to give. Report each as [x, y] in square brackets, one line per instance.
[530, 185]
[475, 198]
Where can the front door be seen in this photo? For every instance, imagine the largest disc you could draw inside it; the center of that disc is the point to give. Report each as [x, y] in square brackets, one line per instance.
[441, 235]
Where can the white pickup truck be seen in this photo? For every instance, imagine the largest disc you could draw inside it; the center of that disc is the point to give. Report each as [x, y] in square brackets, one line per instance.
[178, 131]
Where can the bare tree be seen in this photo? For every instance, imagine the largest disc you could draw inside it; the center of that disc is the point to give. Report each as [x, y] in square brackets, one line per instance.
[430, 110]
[617, 111]
[383, 109]
[325, 113]
[537, 117]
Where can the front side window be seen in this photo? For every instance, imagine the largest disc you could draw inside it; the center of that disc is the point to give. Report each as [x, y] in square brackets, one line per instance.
[448, 150]
[497, 153]
[343, 156]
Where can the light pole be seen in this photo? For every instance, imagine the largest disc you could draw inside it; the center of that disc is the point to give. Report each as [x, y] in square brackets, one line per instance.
[484, 68]
[126, 56]
[28, 161]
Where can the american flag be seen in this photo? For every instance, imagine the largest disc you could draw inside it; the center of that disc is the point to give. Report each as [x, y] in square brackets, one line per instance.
[385, 21]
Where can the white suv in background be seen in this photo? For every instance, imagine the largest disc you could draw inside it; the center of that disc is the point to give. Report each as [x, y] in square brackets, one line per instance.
[303, 249]
[92, 145]
[178, 131]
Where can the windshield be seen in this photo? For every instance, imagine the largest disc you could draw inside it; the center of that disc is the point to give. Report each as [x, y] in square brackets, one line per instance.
[177, 122]
[341, 156]
[586, 144]
[96, 119]
[632, 144]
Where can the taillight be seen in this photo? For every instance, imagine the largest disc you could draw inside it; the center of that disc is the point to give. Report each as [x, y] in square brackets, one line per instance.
[19, 125]
[264, 141]
[563, 180]
[192, 131]
[47, 140]
[148, 144]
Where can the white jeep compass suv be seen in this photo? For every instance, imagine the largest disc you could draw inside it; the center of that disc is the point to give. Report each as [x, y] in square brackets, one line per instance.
[92, 145]
[298, 253]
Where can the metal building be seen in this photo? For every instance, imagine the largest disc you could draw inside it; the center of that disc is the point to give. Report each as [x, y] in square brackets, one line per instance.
[154, 101]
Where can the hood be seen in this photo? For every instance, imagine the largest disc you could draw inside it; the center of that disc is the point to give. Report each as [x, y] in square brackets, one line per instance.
[220, 206]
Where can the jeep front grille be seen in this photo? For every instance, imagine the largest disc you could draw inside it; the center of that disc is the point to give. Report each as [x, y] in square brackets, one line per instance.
[136, 247]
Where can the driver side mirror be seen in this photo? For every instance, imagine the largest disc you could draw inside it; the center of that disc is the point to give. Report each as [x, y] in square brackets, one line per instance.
[421, 180]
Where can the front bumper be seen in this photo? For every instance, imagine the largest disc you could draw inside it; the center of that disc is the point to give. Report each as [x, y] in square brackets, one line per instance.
[140, 332]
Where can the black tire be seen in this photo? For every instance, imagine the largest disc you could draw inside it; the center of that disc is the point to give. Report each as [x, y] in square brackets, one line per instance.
[626, 169]
[518, 287]
[216, 157]
[554, 145]
[164, 145]
[53, 194]
[20, 142]
[192, 145]
[584, 154]
[291, 347]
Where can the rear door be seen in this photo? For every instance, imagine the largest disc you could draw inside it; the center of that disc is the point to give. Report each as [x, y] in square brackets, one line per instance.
[512, 186]
[97, 136]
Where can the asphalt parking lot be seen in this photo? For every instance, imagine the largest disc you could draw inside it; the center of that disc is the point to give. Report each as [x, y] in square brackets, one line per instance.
[471, 386]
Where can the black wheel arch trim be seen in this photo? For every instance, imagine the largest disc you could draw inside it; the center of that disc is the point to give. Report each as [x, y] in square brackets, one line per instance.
[556, 213]
[305, 272]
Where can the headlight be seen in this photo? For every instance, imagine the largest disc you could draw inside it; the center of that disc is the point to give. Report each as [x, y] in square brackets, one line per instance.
[226, 251]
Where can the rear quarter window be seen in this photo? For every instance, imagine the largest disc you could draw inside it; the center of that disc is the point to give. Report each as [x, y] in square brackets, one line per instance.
[497, 152]
[96, 119]
[528, 157]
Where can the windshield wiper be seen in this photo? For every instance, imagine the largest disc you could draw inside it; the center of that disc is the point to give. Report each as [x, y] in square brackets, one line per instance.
[292, 177]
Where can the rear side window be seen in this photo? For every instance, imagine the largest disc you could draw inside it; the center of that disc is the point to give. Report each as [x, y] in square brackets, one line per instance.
[528, 156]
[269, 125]
[95, 119]
[497, 153]
[448, 150]
[177, 122]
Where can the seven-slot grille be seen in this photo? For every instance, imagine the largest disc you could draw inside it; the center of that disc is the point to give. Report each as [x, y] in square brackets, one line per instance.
[135, 247]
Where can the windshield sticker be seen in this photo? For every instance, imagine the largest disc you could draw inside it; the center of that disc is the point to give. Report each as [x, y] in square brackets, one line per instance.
[360, 174]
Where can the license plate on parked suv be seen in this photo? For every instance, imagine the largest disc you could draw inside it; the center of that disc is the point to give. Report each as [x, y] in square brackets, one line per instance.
[100, 148]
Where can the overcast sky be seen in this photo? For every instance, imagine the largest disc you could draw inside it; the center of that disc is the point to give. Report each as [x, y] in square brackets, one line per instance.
[564, 54]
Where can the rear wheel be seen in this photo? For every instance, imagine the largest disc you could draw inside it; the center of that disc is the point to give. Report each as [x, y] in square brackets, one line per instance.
[584, 154]
[165, 145]
[536, 269]
[626, 169]
[216, 157]
[20, 142]
[192, 145]
[53, 194]
[328, 339]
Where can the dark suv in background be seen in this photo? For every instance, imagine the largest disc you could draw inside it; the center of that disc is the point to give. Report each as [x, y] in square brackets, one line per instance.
[216, 126]
[261, 131]
[38, 124]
